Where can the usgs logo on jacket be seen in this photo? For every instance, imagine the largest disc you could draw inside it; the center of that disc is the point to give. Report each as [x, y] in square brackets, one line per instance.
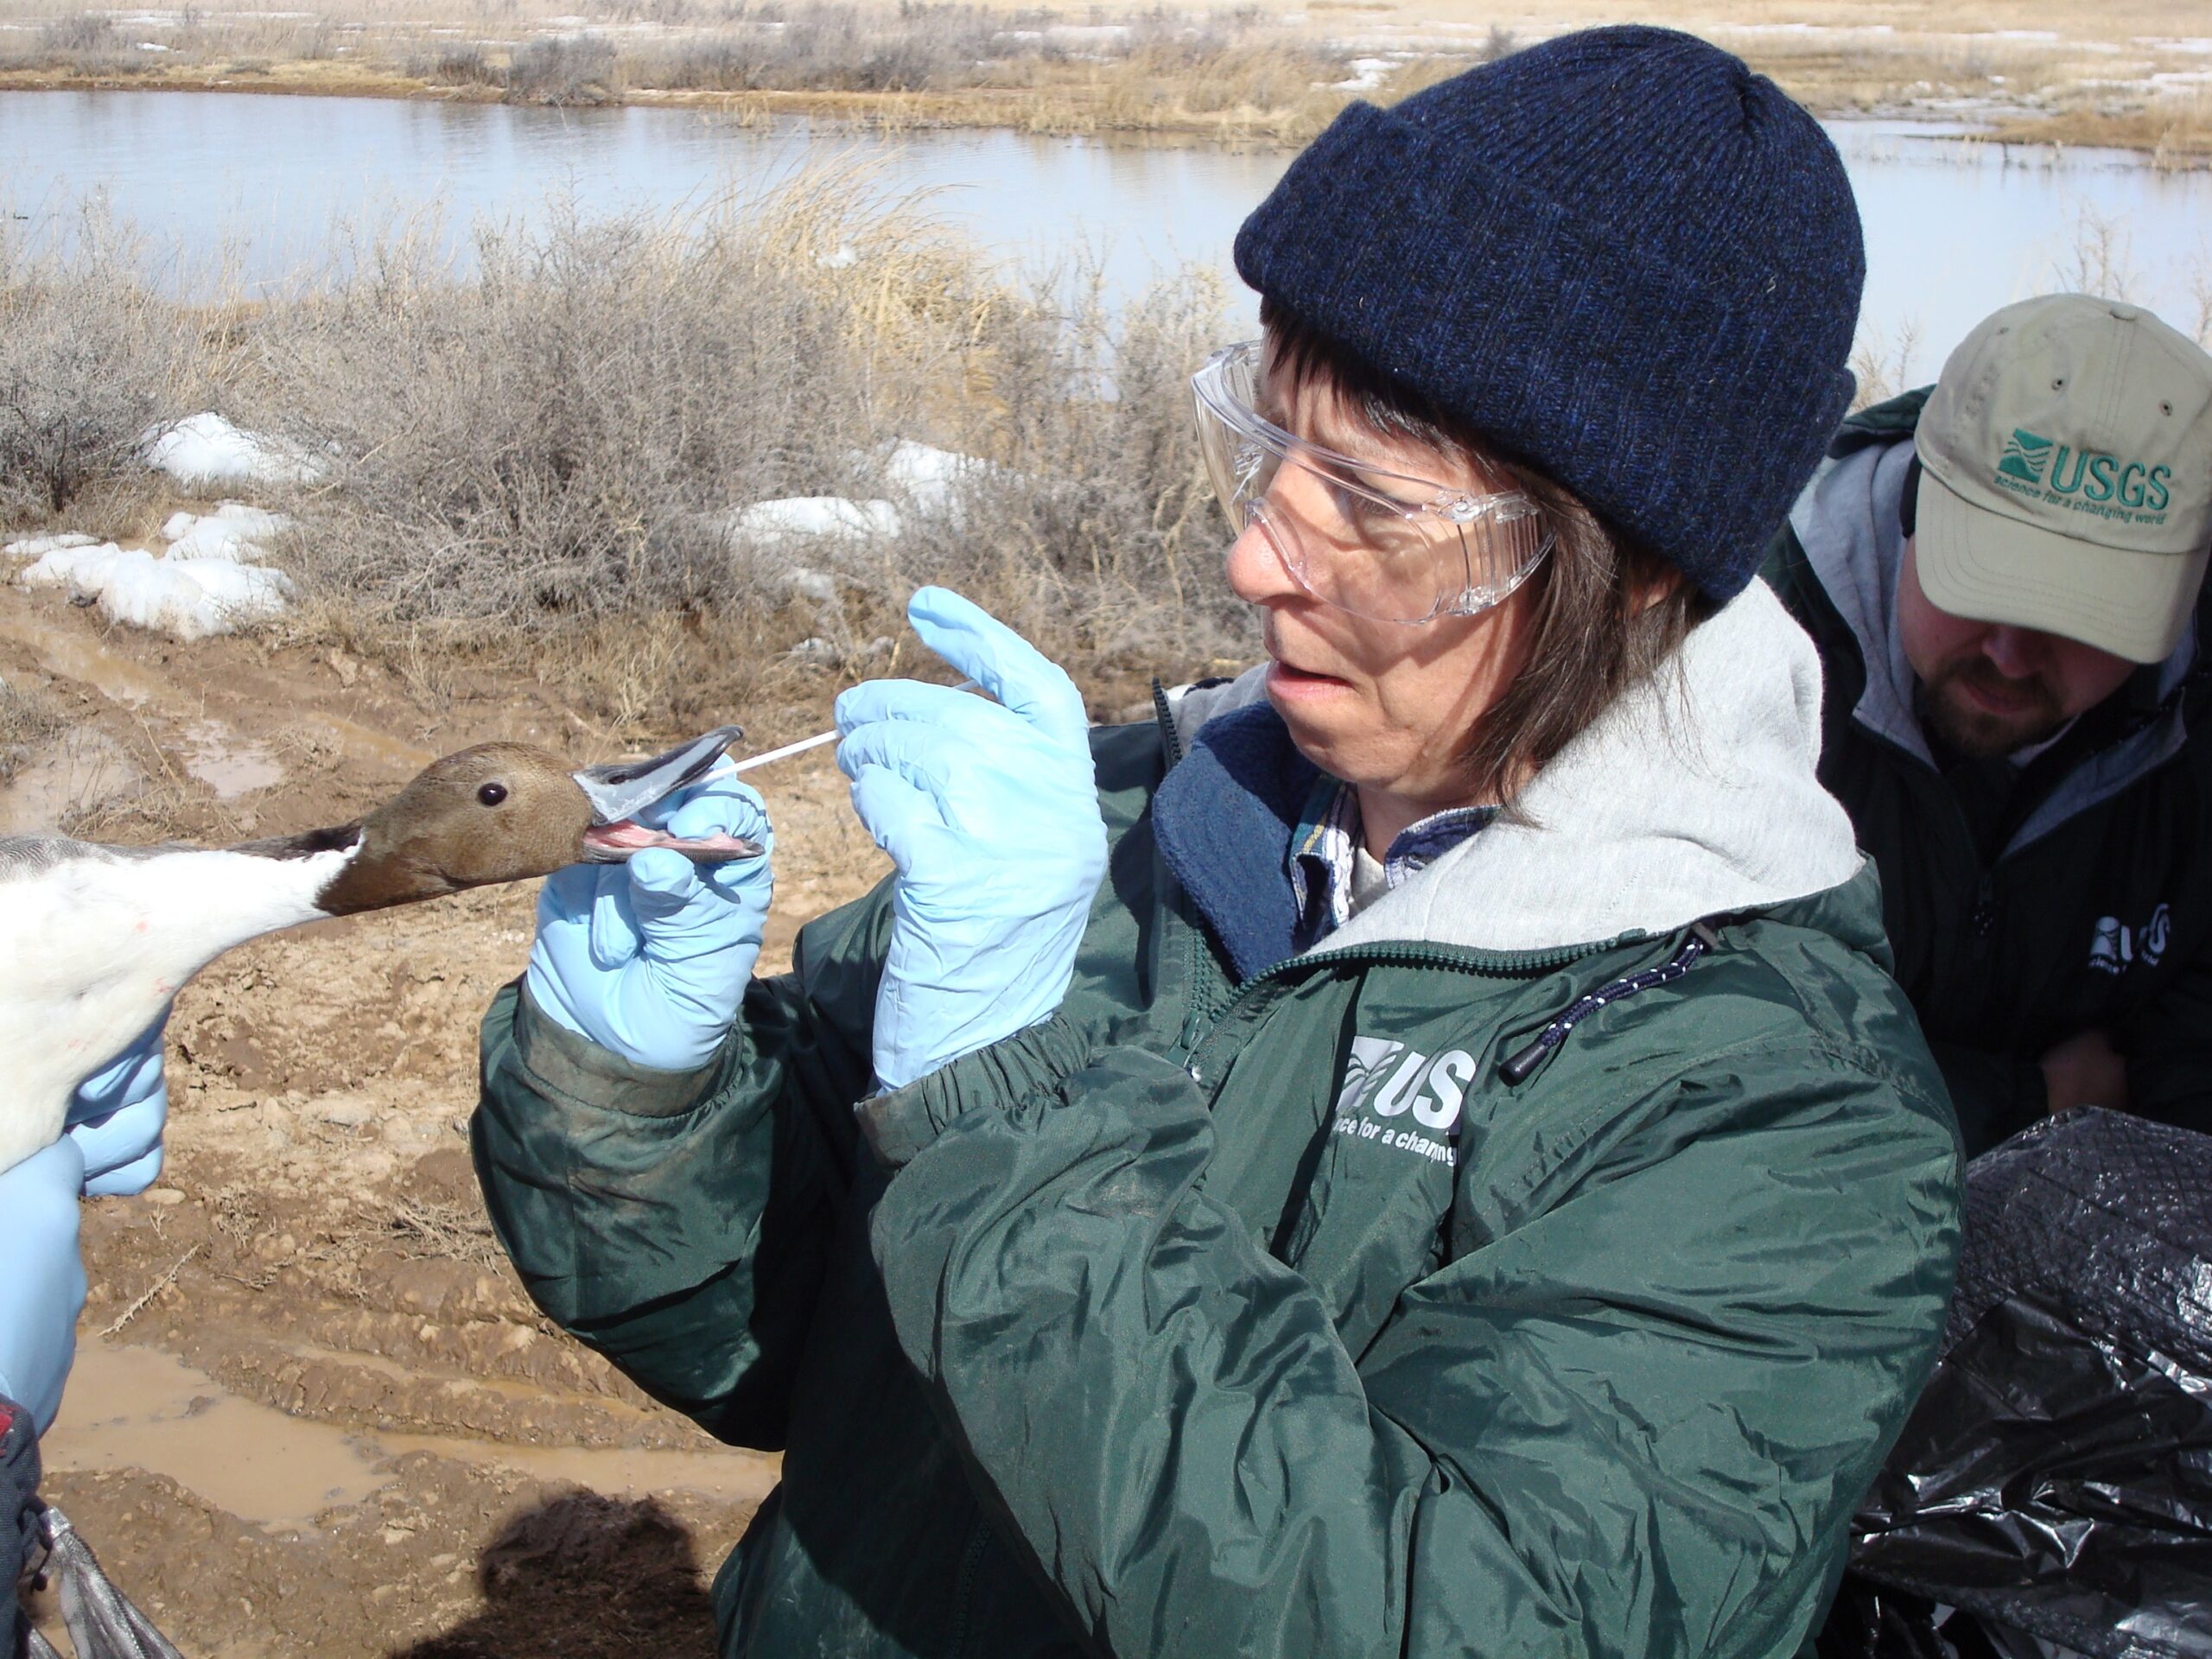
[1402, 1099]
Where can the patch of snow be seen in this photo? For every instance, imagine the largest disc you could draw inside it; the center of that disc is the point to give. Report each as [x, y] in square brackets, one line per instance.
[1808, 29]
[32, 547]
[82, 567]
[189, 598]
[234, 531]
[153, 46]
[839, 260]
[206, 451]
[1367, 74]
[929, 477]
[805, 517]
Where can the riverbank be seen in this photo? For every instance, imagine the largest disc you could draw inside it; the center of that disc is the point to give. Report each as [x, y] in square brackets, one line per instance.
[2136, 76]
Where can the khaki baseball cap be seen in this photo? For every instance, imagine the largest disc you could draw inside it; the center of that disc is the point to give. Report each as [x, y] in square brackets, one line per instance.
[2066, 481]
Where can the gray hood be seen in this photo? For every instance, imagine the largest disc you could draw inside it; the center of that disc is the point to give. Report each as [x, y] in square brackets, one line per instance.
[1846, 522]
[1693, 796]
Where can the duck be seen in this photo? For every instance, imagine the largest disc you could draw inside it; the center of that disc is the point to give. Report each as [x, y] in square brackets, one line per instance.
[96, 940]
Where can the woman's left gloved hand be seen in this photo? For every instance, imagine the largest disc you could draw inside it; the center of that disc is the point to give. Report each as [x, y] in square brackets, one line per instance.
[117, 1116]
[990, 812]
[650, 958]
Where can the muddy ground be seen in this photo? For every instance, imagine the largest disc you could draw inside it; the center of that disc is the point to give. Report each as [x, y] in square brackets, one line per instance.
[313, 1412]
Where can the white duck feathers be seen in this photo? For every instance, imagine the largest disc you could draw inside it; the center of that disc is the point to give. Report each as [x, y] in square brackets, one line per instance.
[95, 941]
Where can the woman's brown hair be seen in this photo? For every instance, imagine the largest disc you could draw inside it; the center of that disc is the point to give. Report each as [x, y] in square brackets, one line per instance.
[1597, 628]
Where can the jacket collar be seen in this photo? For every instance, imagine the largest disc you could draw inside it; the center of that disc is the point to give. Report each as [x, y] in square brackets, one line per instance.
[1224, 819]
[1693, 796]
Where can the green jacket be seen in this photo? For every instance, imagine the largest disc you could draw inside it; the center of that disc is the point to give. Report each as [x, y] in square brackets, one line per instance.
[1258, 1307]
[2089, 903]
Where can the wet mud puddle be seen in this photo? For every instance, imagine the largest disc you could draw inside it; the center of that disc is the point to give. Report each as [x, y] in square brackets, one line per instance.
[229, 764]
[140, 1408]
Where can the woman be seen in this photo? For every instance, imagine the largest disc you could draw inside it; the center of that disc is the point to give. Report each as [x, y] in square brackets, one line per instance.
[1415, 1153]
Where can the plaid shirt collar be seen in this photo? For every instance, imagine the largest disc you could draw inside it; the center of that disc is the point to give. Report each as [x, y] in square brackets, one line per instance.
[1324, 848]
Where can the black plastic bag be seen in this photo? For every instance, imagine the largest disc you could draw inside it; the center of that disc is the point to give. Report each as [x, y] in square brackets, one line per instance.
[2054, 1484]
[101, 1622]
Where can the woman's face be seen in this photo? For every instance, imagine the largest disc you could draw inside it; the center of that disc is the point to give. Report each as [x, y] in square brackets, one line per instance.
[1385, 706]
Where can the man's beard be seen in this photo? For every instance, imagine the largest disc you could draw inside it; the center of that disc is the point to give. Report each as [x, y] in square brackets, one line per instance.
[1968, 728]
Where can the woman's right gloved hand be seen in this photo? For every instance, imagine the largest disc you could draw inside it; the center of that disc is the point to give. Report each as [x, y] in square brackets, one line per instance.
[650, 958]
[42, 1282]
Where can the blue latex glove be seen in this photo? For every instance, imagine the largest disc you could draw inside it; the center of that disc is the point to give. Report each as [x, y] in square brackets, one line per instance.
[650, 958]
[117, 1116]
[990, 812]
[41, 1280]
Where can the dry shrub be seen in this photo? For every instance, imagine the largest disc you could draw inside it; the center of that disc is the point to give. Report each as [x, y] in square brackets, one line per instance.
[556, 435]
[545, 459]
[842, 47]
[456, 65]
[85, 43]
[1095, 531]
[89, 357]
[568, 70]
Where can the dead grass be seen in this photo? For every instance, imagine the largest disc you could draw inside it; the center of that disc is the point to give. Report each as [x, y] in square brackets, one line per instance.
[28, 718]
[2174, 132]
[543, 467]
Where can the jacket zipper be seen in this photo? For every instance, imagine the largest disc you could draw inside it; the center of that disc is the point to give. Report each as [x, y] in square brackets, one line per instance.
[963, 1590]
[1518, 965]
[1515, 1068]
[1166, 716]
[1984, 920]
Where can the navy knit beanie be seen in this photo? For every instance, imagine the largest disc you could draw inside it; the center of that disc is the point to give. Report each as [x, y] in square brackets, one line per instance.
[1621, 256]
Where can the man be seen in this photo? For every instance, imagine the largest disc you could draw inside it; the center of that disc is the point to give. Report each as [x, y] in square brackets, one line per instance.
[2005, 576]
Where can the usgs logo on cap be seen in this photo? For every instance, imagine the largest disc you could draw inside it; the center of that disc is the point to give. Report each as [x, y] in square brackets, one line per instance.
[2084, 480]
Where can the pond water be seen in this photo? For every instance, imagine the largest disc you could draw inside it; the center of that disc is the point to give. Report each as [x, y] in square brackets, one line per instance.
[1954, 227]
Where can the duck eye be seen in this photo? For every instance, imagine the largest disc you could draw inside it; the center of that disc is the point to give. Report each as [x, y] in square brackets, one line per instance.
[492, 794]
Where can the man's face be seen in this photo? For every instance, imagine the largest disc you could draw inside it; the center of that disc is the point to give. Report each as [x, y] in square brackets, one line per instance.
[1988, 688]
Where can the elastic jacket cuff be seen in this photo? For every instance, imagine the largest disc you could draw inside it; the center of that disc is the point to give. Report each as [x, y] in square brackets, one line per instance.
[570, 1067]
[1011, 1072]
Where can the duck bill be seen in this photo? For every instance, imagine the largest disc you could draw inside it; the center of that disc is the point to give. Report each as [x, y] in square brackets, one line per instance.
[619, 790]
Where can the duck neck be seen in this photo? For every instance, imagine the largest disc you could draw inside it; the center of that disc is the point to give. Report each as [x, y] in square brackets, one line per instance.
[335, 871]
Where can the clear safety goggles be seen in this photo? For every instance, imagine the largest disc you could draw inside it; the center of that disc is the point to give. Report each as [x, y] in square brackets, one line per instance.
[1377, 544]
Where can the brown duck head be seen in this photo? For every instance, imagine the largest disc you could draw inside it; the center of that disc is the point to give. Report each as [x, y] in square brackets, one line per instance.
[506, 812]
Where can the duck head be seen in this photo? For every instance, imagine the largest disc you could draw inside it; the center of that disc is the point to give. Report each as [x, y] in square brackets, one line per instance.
[506, 812]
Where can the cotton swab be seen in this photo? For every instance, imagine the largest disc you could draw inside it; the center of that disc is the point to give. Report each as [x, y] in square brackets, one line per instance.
[803, 745]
